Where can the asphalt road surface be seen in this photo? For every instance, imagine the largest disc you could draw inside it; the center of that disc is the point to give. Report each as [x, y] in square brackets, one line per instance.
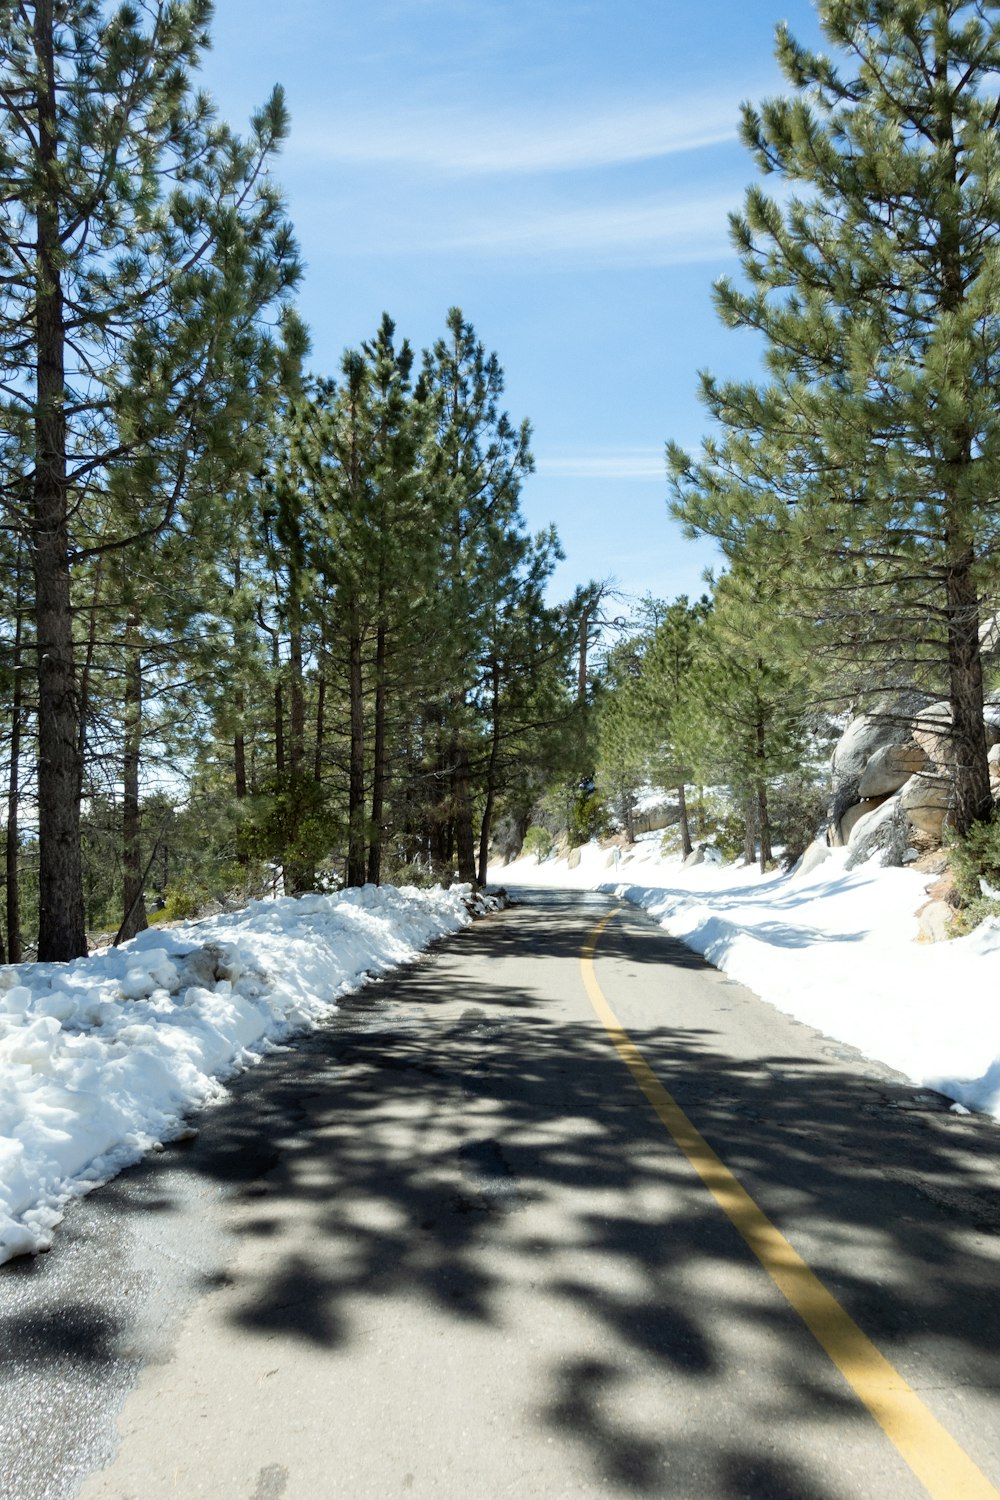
[459, 1244]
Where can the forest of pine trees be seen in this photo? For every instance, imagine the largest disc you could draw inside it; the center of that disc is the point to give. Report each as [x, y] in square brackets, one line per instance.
[258, 626]
[263, 627]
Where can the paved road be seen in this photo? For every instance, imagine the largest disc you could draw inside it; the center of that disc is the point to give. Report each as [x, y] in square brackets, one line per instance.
[446, 1248]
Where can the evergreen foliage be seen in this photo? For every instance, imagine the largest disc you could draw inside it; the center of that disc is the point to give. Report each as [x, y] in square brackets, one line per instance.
[861, 481]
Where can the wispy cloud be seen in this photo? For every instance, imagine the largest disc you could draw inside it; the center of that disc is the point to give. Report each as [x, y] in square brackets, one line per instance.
[470, 141]
[660, 231]
[605, 463]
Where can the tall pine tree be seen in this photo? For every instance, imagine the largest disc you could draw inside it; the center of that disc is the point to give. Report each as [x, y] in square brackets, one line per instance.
[139, 243]
[864, 477]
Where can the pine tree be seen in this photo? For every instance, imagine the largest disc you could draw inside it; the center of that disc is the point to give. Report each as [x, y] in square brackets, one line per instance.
[864, 479]
[477, 461]
[666, 666]
[740, 714]
[140, 241]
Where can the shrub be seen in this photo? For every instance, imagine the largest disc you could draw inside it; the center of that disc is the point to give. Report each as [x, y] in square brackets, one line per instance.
[181, 901]
[537, 841]
[588, 819]
[975, 864]
[797, 809]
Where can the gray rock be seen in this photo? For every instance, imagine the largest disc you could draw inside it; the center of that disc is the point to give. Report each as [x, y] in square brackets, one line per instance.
[932, 729]
[858, 743]
[696, 857]
[926, 801]
[884, 830]
[815, 855]
[890, 767]
[847, 824]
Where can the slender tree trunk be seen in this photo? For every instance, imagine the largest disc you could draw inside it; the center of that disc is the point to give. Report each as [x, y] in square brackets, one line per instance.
[299, 875]
[749, 831]
[764, 827]
[356, 784]
[581, 671]
[279, 721]
[296, 691]
[240, 755]
[491, 778]
[973, 797]
[378, 762]
[14, 944]
[763, 821]
[133, 902]
[686, 845]
[87, 669]
[320, 728]
[239, 740]
[61, 928]
[465, 843]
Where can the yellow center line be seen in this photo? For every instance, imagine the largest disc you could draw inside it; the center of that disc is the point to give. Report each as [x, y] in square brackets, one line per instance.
[943, 1467]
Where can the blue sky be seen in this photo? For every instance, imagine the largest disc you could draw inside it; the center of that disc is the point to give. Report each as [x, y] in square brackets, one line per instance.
[559, 169]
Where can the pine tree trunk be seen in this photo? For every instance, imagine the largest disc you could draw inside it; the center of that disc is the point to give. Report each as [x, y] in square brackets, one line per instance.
[465, 842]
[61, 929]
[491, 779]
[356, 784]
[764, 827]
[749, 831]
[239, 740]
[87, 668]
[240, 758]
[14, 942]
[297, 702]
[133, 901]
[973, 797]
[279, 729]
[686, 845]
[581, 671]
[763, 822]
[320, 729]
[378, 762]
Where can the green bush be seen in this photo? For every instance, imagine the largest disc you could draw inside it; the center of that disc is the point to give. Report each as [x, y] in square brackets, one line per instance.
[797, 808]
[588, 819]
[973, 860]
[537, 841]
[730, 835]
[181, 902]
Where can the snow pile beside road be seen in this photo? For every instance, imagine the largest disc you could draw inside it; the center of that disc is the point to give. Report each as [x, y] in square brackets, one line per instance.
[834, 948]
[101, 1059]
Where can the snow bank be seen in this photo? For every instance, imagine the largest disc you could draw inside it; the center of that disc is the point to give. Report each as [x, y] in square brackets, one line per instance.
[102, 1058]
[834, 948]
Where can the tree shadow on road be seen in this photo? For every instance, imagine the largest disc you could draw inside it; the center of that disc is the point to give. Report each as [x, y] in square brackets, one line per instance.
[340, 1160]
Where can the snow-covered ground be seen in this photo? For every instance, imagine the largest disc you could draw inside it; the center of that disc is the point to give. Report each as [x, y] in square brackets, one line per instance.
[103, 1058]
[834, 948]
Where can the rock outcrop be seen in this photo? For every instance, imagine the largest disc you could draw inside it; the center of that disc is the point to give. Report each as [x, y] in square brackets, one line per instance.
[892, 781]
